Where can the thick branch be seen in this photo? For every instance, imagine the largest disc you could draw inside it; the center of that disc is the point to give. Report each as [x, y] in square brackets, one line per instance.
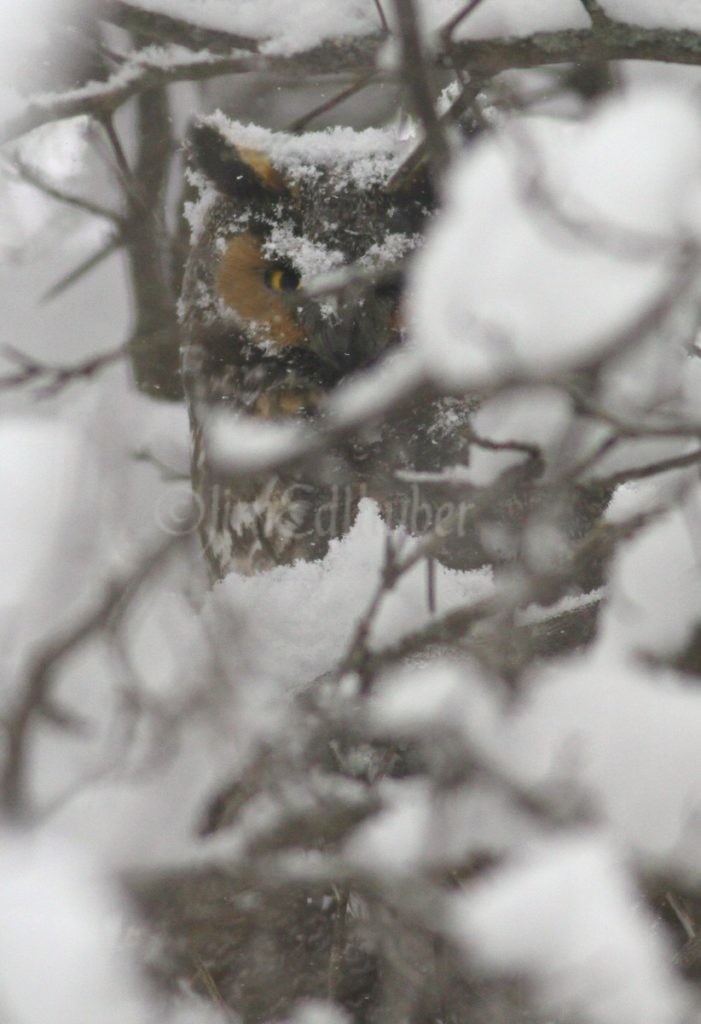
[613, 41]
[145, 71]
[609, 41]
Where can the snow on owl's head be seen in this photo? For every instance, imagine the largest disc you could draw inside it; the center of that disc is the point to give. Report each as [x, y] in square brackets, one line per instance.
[277, 211]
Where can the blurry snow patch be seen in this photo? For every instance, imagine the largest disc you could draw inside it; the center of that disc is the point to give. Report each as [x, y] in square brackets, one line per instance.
[455, 715]
[57, 151]
[437, 700]
[247, 442]
[367, 394]
[316, 1011]
[564, 917]
[669, 14]
[655, 584]
[23, 29]
[41, 468]
[627, 736]
[421, 825]
[59, 924]
[279, 612]
[11, 103]
[504, 286]
[397, 839]
[57, 154]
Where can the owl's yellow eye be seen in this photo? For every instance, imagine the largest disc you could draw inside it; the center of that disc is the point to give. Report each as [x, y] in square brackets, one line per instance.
[282, 279]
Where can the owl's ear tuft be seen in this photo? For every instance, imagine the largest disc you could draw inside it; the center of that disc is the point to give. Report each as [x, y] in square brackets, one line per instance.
[235, 170]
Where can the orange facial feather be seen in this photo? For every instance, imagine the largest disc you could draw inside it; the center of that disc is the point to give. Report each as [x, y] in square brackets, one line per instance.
[241, 284]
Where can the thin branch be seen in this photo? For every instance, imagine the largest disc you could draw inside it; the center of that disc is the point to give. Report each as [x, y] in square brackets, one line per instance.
[48, 379]
[531, 450]
[586, 406]
[83, 268]
[391, 573]
[455, 626]
[417, 75]
[596, 12]
[144, 71]
[122, 171]
[382, 17]
[323, 108]
[44, 664]
[32, 177]
[418, 156]
[481, 58]
[450, 26]
[652, 469]
[165, 28]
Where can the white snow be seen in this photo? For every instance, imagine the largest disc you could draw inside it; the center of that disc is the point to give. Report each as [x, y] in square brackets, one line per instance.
[29, 219]
[563, 916]
[59, 922]
[655, 584]
[627, 738]
[426, 702]
[279, 611]
[289, 26]
[307, 257]
[503, 287]
[668, 14]
[40, 473]
[365, 157]
[247, 442]
[285, 27]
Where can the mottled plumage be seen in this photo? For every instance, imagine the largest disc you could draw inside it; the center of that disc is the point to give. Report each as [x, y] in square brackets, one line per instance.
[274, 212]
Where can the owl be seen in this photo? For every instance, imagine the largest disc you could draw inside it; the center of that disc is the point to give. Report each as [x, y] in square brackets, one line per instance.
[274, 212]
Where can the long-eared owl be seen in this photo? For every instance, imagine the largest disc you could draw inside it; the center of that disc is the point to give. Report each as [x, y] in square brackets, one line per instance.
[275, 211]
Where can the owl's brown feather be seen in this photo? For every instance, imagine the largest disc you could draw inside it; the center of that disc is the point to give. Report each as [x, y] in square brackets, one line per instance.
[263, 350]
[241, 284]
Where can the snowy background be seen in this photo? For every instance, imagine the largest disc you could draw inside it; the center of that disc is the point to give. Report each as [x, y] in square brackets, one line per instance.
[552, 831]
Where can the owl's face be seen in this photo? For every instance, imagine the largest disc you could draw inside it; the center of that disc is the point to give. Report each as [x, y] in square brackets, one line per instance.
[276, 213]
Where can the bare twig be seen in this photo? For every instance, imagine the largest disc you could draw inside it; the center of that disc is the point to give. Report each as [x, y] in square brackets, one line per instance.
[47, 659]
[482, 58]
[450, 26]
[166, 28]
[47, 379]
[596, 12]
[84, 267]
[651, 469]
[417, 75]
[122, 171]
[32, 177]
[382, 17]
[323, 108]
[392, 571]
[142, 72]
